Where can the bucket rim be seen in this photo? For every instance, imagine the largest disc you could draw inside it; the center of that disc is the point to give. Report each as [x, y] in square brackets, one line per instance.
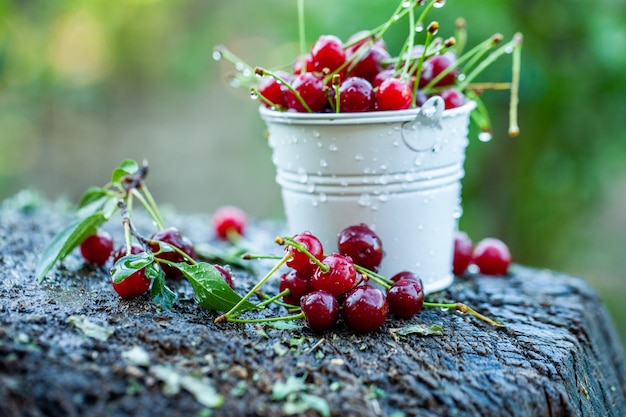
[373, 117]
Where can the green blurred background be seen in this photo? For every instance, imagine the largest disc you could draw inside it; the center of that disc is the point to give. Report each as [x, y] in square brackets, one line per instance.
[86, 84]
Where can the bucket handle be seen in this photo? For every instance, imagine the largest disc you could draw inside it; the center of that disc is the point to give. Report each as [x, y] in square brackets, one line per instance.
[419, 134]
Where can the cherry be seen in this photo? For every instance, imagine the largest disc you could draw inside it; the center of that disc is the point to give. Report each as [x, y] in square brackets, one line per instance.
[405, 297]
[274, 91]
[172, 237]
[435, 65]
[355, 95]
[492, 256]
[339, 278]
[136, 284]
[365, 309]
[362, 244]
[370, 64]
[394, 94]
[361, 37]
[302, 64]
[406, 275]
[297, 285]
[327, 53]
[463, 252]
[226, 275]
[320, 309]
[311, 88]
[382, 76]
[452, 98]
[229, 222]
[300, 261]
[97, 248]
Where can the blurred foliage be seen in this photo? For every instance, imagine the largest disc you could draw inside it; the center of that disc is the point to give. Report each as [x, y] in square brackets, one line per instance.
[62, 62]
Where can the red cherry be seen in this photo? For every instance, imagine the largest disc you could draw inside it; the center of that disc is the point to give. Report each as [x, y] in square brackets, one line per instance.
[228, 221]
[136, 284]
[435, 65]
[355, 95]
[226, 275]
[297, 285]
[300, 261]
[320, 309]
[273, 90]
[327, 53]
[492, 256]
[452, 98]
[97, 248]
[302, 64]
[311, 88]
[365, 309]
[406, 275]
[372, 62]
[394, 94]
[361, 37]
[173, 237]
[405, 298]
[382, 76]
[362, 244]
[340, 277]
[463, 253]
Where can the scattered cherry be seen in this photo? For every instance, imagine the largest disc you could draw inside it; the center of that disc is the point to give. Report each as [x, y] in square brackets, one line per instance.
[340, 277]
[97, 248]
[362, 244]
[492, 256]
[172, 237]
[300, 261]
[406, 275]
[320, 309]
[463, 253]
[365, 309]
[297, 285]
[405, 298]
[136, 284]
[229, 222]
[226, 275]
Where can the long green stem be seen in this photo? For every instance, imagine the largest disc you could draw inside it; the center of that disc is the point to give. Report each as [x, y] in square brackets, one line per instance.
[268, 319]
[155, 216]
[463, 308]
[515, 77]
[155, 208]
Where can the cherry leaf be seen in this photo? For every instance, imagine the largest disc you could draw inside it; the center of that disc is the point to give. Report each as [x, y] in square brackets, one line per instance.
[160, 293]
[129, 264]
[127, 167]
[65, 241]
[211, 291]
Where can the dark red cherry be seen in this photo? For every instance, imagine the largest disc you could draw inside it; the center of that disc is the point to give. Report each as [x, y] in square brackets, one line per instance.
[435, 65]
[405, 298]
[362, 244]
[135, 284]
[452, 98]
[339, 278]
[463, 253]
[365, 309]
[327, 53]
[406, 275]
[394, 94]
[492, 256]
[226, 275]
[355, 95]
[297, 286]
[97, 248]
[368, 64]
[300, 261]
[172, 237]
[311, 88]
[320, 309]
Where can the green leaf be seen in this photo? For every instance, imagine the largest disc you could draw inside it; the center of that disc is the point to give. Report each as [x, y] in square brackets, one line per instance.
[97, 200]
[160, 293]
[65, 241]
[281, 389]
[129, 264]
[127, 167]
[89, 328]
[419, 329]
[316, 403]
[211, 291]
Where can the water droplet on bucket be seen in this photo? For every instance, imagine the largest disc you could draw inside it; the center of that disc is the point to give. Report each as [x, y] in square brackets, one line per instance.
[358, 157]
[316, 133]
[323, 197]
[320, 144]
[458, 212]
[332, 147]
[365, 200]
[310, 188]
[302, 175]
[484, 136]
[323, 163]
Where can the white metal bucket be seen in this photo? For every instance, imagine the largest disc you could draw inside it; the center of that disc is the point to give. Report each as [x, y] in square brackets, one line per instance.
[398, 172]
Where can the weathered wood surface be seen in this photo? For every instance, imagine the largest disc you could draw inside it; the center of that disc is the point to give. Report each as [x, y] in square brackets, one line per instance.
[558, 355]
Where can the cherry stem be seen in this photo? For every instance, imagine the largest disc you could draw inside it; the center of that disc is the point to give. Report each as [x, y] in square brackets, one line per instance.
[268, 319]
[460, 35]
[377, 278]
[515, 77]
[248, 256]
[275, 299]
[155, 216]
[160, 220]
[262, 71]
[302, 248]
[463, 308]
[301, 31]
[254, 289]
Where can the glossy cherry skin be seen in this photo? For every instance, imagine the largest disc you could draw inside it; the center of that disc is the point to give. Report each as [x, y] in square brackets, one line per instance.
[463, 253]
[228, 221]
[274, 91]
[327, 53]
[96, 249]
[405, 298]
[340, 277]
[134, 285]
[369, 63]
[311, 88]
[452, 98]
[435, 65]
[321, 310]
[365, 309]
[297, 285]
[355, 95]
[173, 237]
[394, 94]
[492, 256]
[406, 275]
[226, 275]
[362, 244]
[300, 261]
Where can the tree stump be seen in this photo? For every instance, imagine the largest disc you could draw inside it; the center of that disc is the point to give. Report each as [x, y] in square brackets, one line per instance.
[72, 347]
